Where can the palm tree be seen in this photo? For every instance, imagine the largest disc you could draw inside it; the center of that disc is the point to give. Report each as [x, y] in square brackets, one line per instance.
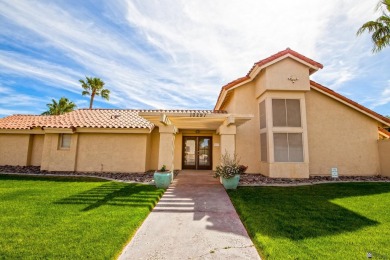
[94, 87]
[60, 107]
[380, 28]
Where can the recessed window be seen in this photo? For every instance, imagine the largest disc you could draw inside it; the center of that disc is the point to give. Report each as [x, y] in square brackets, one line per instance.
[263, 121]
[286, 112]
[65, 141]
[288, 147]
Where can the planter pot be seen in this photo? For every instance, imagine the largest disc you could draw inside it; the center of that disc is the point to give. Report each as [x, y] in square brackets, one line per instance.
[232, 183]
[163, 179]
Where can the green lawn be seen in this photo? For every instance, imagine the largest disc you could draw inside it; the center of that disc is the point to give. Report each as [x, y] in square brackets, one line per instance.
[70, 218]
[326, 221]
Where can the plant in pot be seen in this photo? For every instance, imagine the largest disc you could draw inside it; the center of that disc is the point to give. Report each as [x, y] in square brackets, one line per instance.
[229, 171]
[163, 177]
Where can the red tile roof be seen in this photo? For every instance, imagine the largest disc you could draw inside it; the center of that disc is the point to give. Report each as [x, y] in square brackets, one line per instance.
[312, 83]
[281, 54]
[265, 62]
[28, 121]
[232, 84]
[86, 118]
[353, 103]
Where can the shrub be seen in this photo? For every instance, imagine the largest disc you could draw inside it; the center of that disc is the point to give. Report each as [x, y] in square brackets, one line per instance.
[229, 167]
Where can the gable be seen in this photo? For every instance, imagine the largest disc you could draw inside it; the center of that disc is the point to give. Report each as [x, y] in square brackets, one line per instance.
[272, 73]
[259, 66]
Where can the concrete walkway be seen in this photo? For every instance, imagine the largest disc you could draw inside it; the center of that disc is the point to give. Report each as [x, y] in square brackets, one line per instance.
[193, 220]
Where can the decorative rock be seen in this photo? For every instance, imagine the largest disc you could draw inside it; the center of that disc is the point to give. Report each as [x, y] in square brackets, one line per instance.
[261, 179]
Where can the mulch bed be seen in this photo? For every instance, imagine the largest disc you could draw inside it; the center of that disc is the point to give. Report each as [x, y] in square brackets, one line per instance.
[263, 180]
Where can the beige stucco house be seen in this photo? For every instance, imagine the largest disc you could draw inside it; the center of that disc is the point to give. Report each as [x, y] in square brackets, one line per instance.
[278, 121]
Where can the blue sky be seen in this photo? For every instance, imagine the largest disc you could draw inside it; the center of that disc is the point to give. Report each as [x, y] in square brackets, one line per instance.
[178, 54]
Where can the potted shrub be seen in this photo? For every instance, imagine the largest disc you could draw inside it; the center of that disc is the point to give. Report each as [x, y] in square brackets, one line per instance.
[163, 177]
[229, 171]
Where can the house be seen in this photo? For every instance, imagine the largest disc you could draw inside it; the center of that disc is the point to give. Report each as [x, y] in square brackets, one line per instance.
[278, 121]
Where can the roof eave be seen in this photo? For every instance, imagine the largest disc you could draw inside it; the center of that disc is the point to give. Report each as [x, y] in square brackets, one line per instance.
[256, 68]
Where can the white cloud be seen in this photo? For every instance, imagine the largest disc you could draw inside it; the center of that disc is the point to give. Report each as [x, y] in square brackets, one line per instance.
[25, 104]
[383, 99]
[177, 54]
[26, 66]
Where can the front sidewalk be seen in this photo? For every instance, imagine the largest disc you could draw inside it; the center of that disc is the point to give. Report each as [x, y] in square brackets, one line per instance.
[195, 219]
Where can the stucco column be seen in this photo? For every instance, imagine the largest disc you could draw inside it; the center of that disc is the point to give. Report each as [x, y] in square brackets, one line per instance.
[167, 147]
[228, 139]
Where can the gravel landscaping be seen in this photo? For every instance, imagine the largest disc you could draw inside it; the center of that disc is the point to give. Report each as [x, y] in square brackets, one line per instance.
[142, 177]
[258, 179]
[245, 179]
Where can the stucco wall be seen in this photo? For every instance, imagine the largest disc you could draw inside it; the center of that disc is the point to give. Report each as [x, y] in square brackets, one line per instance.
[36, 149]
[112, 152]
[384, 156]
[154, 149]
[178, 151]
[248, 134]
[14, 149]
[229, 104]
[56, 159]
[277, 75]
[341, 137]
[216, 150]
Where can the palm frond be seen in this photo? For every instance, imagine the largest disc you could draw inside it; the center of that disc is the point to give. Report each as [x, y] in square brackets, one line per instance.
[94, 87]
[380, 28]
[105, 93]
[60, 107]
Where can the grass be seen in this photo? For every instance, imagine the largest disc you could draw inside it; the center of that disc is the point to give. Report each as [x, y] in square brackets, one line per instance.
[327, 221]
[70, 218]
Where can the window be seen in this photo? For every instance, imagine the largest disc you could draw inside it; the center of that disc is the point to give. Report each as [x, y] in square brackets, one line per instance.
[263, 147]
[288, 147]
[263, 123]
[65, 141]
[286, 112]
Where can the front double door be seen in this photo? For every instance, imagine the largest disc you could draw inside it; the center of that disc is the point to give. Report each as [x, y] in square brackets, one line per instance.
[197, 153]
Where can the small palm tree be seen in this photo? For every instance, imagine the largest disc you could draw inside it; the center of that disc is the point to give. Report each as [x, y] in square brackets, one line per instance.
[61, 107]
[94, 87]
[380, 28]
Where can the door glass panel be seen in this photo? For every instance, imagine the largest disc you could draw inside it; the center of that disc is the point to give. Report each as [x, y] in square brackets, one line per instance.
[204, 151]
[189, 153]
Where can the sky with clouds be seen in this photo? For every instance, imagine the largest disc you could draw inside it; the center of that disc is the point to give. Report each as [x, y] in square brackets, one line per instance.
[178, 53]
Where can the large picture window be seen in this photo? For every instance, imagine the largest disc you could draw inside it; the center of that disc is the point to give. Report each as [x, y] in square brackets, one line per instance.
[288, 147]
[286, 113]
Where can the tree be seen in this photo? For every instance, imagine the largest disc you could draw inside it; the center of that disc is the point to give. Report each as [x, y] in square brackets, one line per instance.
[61, 107]
[380, 28]
[94, 87]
